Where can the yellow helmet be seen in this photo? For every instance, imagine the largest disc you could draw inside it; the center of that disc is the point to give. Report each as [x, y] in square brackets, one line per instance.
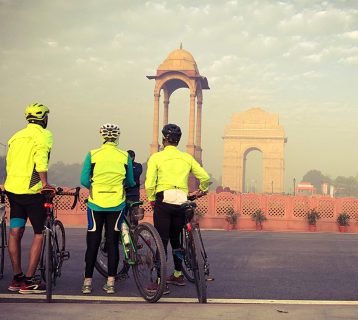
[36, 111]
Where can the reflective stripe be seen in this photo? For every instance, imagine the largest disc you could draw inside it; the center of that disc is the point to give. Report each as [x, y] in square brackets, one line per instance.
[91, 226]
[117, 226]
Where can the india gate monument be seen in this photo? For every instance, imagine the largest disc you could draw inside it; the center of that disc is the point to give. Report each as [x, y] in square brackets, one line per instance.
[254, 129]
[179, 70]
[250, 130]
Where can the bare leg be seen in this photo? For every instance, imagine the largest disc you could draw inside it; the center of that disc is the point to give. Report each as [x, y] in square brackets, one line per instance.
[15, 248]
[35, 253]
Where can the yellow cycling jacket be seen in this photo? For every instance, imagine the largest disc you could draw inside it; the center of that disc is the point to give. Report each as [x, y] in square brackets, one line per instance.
[28, 154]
[169, 169]
[108, 166]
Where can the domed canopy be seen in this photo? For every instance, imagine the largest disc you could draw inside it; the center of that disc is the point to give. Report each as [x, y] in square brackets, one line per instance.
[183, 62]
[179, 60]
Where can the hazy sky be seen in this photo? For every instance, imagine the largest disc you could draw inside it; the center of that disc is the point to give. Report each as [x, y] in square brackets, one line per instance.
[88, 61]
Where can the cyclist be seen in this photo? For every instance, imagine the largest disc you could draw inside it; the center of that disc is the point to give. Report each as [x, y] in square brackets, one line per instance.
[27, 166]
[133, 194]
[166, 185]
[104, 171]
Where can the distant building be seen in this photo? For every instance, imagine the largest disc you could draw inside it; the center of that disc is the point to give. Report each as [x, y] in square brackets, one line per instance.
[305, 188]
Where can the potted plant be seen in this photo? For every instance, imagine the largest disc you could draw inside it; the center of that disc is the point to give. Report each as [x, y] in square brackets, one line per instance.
[312, 217]
[258, 216]
[231, 219]
[343, 222]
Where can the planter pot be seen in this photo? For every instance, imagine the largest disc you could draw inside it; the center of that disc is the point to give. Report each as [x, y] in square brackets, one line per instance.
[259, 227]
[229, 226]
[343, 228]
[312, 227]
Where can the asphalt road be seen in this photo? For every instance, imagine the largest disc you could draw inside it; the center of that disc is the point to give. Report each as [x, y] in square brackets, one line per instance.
[245, 265]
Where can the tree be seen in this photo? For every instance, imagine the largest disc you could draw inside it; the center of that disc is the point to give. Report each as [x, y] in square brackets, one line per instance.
[346, 186]
[316, 178]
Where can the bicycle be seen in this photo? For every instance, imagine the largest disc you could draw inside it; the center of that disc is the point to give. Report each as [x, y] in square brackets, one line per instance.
[195, 265]
[53, 252]
[3, 240]
[143, 251]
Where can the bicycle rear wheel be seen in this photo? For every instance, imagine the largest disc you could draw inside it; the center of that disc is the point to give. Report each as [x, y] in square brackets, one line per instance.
[101, 264]
[58, 246]
[150, 262]
[186, 266]
[198, 266]
[2, 248]
[48, 264]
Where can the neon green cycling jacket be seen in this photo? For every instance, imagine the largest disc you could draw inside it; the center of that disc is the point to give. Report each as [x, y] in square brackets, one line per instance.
[109, 168]
[169, 169]
[28, 154]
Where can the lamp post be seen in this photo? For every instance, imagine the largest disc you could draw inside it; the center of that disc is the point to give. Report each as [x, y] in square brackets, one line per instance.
[4, 164]
[294, 186]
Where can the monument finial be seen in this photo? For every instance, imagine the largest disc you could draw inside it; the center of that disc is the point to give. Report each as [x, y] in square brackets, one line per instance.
[181, 45]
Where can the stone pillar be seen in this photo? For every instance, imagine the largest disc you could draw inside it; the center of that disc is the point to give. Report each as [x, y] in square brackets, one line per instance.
[190, 148]
[165, 113]
[198, 150]
[154, 147]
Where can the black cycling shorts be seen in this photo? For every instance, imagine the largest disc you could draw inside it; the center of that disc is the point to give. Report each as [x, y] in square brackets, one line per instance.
[23, 206]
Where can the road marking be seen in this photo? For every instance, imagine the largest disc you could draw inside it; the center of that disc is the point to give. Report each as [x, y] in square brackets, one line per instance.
[177, 300]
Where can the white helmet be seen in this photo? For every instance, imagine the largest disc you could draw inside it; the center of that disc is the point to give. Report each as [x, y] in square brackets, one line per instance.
[110, 131]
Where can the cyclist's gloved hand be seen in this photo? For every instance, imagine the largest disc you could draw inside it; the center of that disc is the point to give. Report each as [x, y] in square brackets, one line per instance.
[198, 193]
[48, 189]
[152, 203]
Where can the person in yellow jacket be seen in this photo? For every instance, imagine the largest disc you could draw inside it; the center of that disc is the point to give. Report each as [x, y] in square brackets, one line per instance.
[104, 173]
[166, 185]
[27, 166]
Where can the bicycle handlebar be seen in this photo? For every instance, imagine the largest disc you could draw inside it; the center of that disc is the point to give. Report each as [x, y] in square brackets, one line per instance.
[196, 195]
[59, 192]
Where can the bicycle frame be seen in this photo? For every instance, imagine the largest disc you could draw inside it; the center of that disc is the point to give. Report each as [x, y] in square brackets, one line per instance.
[52, 256]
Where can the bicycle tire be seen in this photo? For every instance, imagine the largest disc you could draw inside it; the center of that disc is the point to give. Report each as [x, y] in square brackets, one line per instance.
[101, 263]
[150, 262]
[187, 268]
[48, 264]
[58, 248]
[2, 249]
[198, 266]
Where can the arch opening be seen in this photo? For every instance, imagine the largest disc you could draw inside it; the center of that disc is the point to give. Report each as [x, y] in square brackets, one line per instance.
[253, 171]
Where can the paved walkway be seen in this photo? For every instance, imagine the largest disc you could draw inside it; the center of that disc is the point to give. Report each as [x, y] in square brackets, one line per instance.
[169, 311]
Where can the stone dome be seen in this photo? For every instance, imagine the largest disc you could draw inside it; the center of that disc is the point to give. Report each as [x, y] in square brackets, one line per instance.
[179, 60]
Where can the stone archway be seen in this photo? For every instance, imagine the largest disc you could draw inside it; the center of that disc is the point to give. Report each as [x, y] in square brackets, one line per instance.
[249, 130]
[179, 70]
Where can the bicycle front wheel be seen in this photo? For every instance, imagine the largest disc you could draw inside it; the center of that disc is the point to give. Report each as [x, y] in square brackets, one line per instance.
[59, 247]
[198, 266]
[149, 270]
[101, 264]
[48, 264]
[186, 266]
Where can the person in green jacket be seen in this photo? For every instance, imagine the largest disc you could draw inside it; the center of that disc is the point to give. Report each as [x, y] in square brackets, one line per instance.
[104, 172]
[27, 166]
[166, 185]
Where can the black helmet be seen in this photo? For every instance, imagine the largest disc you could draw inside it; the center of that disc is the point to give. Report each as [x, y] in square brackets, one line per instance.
[171, 133]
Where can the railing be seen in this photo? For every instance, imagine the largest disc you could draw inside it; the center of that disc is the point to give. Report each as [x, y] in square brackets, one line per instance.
[283, 212]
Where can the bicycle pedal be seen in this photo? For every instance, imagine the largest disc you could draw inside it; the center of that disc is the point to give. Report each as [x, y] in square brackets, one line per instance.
[210, 279]
[65, 255]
